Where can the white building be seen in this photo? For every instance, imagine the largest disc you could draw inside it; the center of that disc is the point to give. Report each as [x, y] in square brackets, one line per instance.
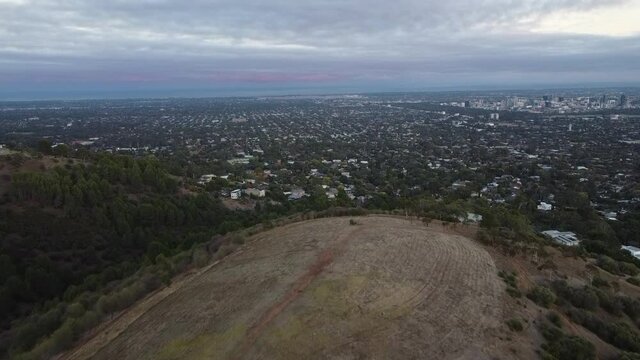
[240, 161]
[296, 194]
[332, 193]
[633, 250]
[543, 206]
[566, 238]
[470, 218]
[255, 192]
[206, 179]
[236, 194]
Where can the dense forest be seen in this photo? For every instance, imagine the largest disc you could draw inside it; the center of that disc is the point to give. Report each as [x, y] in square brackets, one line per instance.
[79, 226]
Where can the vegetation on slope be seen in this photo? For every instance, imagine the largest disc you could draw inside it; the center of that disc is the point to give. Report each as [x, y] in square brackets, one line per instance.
[77, 228]
[91, 236]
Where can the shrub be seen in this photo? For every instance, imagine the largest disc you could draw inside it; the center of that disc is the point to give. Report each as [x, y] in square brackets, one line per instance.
[612, 304]
[508, 277]
[542, 296]
[629, 356]
[631, 307]
[353, 222]
[600, 282]
[585, 297]
[150, 282]
[267, 224]
[513, 292]
[237, 239]
[628, 268]
[512, 286]
[555, 319]
[633, 281]
[225, 250]
[200, 257]
[617, 267]
[608, 264]
[35, 327]
[619, 334]
[624, 337]
[514, 325]
[180, 262]
[122, 298]
[86, 322]
[75, 310]
[64, 336]
[571, 347]
[483, 236]
[560, 346]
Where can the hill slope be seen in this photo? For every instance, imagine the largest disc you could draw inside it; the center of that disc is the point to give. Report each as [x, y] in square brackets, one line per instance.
[384, 288]
[72, 229]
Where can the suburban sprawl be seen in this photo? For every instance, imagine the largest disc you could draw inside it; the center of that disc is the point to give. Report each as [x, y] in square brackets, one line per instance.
[543, 152]
[142, 190]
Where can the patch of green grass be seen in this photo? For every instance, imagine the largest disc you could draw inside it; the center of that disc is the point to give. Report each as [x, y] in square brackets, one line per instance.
[555, 319]
[513, 292]
[510, 278]
[633, 281]
[205, 346]
[515, 325]
[542, 296]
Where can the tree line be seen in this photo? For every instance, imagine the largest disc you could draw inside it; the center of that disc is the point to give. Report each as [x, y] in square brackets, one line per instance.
[78, 227]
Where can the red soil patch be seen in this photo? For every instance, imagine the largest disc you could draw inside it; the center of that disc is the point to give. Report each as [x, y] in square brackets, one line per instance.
[324, 259]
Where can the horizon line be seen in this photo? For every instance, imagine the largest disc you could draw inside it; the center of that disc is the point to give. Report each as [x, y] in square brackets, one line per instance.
[311, 92]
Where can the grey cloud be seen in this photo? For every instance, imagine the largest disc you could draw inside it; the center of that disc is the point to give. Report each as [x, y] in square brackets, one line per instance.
[180, 42]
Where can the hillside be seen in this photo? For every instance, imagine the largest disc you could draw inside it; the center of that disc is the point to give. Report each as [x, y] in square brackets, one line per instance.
[381, 287]
[324, 288]
[71, 229]
[112, 257]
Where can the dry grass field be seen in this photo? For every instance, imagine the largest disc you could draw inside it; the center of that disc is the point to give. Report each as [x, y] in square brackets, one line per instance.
[385, 288]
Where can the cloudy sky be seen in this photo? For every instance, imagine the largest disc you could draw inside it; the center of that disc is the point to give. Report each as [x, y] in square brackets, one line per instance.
[81, 48]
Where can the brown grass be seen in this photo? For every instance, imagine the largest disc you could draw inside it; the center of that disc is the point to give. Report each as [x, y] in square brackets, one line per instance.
[385, 288]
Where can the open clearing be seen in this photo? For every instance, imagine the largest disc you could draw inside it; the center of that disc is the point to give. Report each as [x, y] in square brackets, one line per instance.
[384, 288]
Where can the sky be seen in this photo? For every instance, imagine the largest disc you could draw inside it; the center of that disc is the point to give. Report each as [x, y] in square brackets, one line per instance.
[129, 48]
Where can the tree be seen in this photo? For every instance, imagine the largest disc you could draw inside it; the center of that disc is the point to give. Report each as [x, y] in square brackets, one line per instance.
[342, 199]
[61, 150]
[490, 220]
[44, 146]
[7, 268]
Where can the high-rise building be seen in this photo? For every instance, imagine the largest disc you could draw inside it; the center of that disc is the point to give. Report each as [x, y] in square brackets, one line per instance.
[623, 100]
